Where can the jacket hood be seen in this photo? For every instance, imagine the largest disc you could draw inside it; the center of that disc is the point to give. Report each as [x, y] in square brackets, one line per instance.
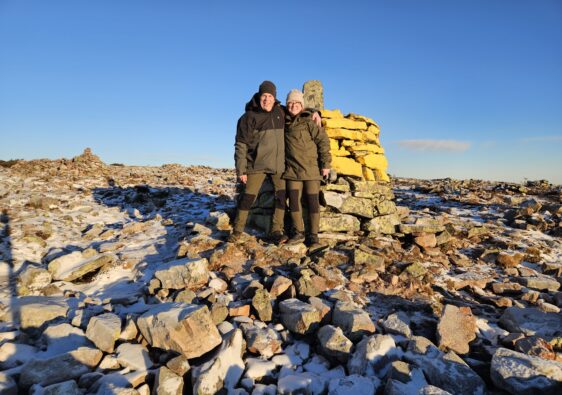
[254, 103]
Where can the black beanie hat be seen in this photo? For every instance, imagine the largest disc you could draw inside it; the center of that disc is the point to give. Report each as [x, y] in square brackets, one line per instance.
[268, 87]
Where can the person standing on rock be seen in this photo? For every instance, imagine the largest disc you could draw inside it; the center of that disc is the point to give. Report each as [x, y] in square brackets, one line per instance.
[307, 161]
[260, 153]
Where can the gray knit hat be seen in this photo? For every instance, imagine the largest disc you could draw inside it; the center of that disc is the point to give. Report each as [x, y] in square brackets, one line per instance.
[295, 95]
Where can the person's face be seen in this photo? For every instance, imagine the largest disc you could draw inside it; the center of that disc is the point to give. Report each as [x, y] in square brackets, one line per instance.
[267, 101]
[294, 107]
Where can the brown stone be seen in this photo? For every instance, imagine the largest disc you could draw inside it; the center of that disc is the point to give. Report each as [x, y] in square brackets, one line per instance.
[506, 259]
[456, 328]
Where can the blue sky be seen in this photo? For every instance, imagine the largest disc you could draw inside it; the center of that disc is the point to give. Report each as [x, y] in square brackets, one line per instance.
[463, 89]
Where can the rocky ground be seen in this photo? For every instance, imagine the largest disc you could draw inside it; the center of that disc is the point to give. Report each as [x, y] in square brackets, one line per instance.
[118, 280]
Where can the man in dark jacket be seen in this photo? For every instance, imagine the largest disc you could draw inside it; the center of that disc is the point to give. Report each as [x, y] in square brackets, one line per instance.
[260, 153]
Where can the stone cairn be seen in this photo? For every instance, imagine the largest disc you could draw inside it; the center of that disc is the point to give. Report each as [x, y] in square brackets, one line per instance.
[358, 196]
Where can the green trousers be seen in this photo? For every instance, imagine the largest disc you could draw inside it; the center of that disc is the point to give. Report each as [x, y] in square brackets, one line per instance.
[248, 198]
[311, 190]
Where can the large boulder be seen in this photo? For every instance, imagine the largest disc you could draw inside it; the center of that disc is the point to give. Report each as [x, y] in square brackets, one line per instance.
[532, 321]
[185, 328]
[446, 371]
[524, 374]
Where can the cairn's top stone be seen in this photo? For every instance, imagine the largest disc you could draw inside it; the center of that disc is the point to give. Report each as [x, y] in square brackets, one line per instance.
[313, 94]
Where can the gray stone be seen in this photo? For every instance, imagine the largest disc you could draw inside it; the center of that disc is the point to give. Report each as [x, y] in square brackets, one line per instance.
[373, 356]
[224, 369]
[104, 330]
[183, 273]
[353, 385]
[64, 337]
[167, 382]
[532, 321]
[313, 95]
[446, 371]
[518, 373]
[32, 279]
[333, 343]
[75, 265]
[385, 224]
[299, 317]
[263, 341]
[358, 206]
[34, 311]
[421, 228]
[330, 222]
[261, 302]
[14, 354]
[541, 283]
[65, 388]
[333, 199]
[354, 321]
[60, 368]
[185, 328]
[133, 356]
[397, 324]
[7, 385]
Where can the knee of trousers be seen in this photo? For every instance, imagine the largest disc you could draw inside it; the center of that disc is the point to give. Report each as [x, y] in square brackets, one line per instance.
[280, 199]
[294, 200]
[313, 203]
[246, 201]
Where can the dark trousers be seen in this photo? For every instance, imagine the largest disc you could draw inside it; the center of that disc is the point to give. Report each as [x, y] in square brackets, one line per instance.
[248, 198]
[311, 190]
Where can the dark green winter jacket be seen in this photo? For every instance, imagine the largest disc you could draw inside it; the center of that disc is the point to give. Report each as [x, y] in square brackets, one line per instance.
[307, 148]
[260, 144]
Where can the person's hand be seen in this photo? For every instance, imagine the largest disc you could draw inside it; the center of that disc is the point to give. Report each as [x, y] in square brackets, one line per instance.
[325, 172]
[317, 118]
[243, 178]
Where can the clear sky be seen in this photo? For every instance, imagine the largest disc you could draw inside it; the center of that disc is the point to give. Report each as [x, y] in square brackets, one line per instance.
[462, 89]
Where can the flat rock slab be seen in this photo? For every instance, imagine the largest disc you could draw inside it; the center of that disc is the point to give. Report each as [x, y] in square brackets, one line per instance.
[518, 373]
[532, 321]
[133, 356]
[34, 311]
[60, 368]
[184, 328]
[74, 266]
[183, 273]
